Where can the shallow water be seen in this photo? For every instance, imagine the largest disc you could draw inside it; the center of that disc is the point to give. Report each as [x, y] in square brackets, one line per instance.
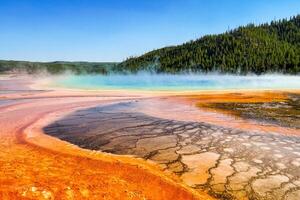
[178, 82]
[239, 164]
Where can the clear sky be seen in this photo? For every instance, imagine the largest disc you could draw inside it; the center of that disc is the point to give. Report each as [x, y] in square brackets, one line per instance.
[111, 30]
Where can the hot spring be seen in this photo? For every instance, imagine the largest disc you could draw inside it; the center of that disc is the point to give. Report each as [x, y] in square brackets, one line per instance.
[183, 82]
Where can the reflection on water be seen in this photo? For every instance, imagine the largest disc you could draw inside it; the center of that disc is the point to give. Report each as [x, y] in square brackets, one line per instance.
[179, 82]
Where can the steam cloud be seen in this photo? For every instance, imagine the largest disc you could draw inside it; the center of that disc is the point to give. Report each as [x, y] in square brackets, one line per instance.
[184, 82]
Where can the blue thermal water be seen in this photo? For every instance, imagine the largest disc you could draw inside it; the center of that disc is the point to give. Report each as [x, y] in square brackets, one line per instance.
[178, 82]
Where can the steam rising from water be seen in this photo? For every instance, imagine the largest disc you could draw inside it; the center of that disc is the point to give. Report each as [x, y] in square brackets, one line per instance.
[181, 82]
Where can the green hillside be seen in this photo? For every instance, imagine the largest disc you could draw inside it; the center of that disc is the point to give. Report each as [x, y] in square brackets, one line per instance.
[270, 47]
[57, 67]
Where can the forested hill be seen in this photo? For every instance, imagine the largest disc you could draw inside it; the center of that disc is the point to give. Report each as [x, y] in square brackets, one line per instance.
[270, 47]
[57, 67]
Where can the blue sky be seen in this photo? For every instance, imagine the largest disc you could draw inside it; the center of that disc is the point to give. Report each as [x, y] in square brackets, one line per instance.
[111, 30]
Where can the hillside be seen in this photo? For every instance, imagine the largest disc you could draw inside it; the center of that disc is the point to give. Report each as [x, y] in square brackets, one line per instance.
[57, 67]
[270, 47]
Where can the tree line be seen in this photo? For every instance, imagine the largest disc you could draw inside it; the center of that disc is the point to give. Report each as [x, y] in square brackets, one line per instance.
[264, 48]
[57, 67]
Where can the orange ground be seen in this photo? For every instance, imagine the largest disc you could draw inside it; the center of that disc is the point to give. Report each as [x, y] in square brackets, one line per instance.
[36, 166]
[215, 116]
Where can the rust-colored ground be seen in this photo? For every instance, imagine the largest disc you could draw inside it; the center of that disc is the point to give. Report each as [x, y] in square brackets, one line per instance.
[229, 118]
[36, 166]
[240, 97]
[269, 108]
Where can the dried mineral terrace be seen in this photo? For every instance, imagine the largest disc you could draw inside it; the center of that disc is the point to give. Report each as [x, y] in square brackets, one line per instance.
[36, 166]
[228, 163]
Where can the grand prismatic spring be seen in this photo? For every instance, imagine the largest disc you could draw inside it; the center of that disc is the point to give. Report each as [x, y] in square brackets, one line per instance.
[85, 137]
[149, 100]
